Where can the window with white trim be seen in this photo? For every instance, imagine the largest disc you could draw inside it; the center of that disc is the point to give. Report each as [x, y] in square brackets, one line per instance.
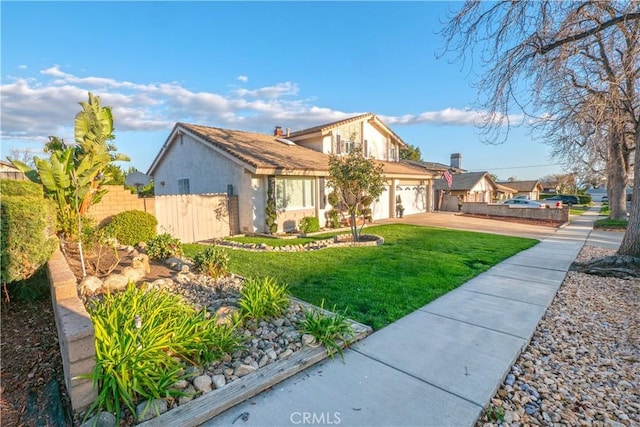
[295, 193]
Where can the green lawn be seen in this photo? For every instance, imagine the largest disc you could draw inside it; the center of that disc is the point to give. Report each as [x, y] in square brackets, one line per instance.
[609, 223]
[578, 209]
[378, 285]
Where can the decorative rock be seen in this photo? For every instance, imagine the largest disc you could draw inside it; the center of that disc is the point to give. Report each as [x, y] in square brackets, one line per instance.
[162, 283]
[133, 274]
[89, 285]
[181, 384]
[243, 370]
[218, 381]
[150, 409]
[115, 282]
[174, 263]
[271, 354]
[225, 314]
[190, 393]
[308, 339]
[103, 419]
[288, 352]
[510, 379]
[202, 383]
[141, 261]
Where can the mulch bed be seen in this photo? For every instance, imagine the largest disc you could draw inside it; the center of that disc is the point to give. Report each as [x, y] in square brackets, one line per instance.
[32, 390]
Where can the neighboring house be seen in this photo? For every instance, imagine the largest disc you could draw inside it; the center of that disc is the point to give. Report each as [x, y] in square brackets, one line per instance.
[465, 187]
[199, 159]
[527, 189]
[8, 171]
[549, 187]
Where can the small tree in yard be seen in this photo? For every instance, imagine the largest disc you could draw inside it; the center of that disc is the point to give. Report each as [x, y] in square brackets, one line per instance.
[74, 174]
[357, 181]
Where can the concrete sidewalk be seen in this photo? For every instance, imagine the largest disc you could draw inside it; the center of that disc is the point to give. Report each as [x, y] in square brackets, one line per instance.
[438, 366]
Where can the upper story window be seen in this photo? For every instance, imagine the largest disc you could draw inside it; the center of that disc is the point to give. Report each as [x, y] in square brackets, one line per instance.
[392, 153]
[183, 186]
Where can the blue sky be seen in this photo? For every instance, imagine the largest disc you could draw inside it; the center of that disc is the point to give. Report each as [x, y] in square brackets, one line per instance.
[248, 66]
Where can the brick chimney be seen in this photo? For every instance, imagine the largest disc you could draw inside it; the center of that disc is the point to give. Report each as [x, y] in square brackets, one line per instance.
[277, 131]
[456, 160]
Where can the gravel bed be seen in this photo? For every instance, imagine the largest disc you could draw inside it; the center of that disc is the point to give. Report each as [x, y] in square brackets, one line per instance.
[582, 366]
[264, 342]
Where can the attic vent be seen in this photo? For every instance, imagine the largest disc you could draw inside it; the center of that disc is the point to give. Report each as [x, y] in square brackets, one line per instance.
[285, 141]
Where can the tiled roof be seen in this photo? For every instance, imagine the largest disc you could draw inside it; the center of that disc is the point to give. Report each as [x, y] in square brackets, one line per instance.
[261, 151]
[521, 185]
[461, 182]
[265, 154]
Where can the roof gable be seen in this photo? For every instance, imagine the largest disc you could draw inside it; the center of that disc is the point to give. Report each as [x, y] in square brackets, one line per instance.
[370, 117]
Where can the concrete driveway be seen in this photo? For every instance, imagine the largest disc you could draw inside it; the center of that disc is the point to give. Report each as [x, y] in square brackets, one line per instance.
[461, 222]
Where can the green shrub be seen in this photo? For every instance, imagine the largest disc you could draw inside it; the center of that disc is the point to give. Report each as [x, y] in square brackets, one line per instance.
[585, 199]
[263, 298]
[10, 187]
[309, 224]
[27, 227]
[163, 246]
[143, 340]
[213, 262]
[132, 227]
[333, 218]
[271, 213]
[328, 330]
[334, 199]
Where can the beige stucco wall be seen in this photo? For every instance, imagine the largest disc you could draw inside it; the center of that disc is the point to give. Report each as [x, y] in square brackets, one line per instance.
[207, 170]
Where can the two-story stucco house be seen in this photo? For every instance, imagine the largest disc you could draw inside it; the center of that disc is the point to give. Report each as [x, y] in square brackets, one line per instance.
[199, 159]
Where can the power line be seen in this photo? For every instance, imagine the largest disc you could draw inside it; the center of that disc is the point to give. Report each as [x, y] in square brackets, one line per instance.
[518, 167]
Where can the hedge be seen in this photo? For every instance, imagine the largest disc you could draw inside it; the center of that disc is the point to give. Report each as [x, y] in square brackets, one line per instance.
[132, 227]
[27, 230]
[10, 187]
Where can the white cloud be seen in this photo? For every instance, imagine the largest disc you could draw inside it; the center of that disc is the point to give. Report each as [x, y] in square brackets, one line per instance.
[33, 109]
[448, 116]
[22, 67]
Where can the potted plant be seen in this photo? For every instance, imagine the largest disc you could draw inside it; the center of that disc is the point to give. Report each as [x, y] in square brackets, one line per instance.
[399, 207]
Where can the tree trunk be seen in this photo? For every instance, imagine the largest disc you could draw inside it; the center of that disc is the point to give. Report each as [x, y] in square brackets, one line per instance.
[354, 226]
[617, 176]
[631, 240]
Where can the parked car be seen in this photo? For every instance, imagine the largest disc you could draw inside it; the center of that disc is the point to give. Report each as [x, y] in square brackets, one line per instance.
[524, 203]
[605, 199]
[566, 199]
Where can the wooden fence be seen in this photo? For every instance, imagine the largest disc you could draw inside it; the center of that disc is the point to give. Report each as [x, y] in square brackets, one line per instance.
[196, 217]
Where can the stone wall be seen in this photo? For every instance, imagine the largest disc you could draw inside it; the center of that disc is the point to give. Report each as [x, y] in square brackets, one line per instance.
[559, 215]
[119, 199]
[75, 332]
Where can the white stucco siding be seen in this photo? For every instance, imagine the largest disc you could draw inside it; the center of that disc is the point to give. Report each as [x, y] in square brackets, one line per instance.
[376, 142]
[207, 170]
[380, 207]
